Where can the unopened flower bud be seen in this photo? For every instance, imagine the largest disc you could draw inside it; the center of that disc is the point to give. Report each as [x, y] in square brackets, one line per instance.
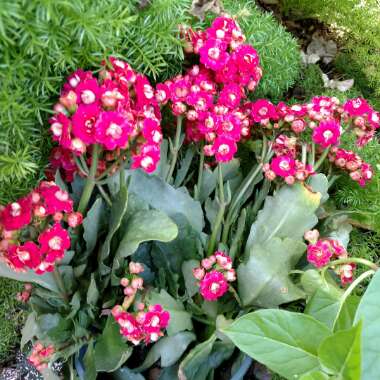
[135, 268]
[198, 273]
[311, 236]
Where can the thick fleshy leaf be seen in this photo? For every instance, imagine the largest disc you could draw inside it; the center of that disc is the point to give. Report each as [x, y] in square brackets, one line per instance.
[92, 224]
[203, 358]
[264, 279]
[46, 280]
[166, 198]
[190, 282]
[89, 363]
[119, 207]
[287, 214]
[315, 375]
[92, 292]
[347, 314]
[180, 319]
[111, 351]
[144, 226]
[169, 349]
[369, 313]
[285, 342]
[340, 354]
[319, 183]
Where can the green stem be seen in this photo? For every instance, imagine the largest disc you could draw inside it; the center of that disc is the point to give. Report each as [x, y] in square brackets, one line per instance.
[200, 174]
[235, 294]
[80, 167]
[104, 194]
[220, 214]
[175, 149]
[90, 181]
[357, 260]
[61, 286]
[111, 167]
[312, 155]
[203, 320]
[321, 159]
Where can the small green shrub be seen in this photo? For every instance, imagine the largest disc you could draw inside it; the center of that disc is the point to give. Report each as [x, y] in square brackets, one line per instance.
[10, 317]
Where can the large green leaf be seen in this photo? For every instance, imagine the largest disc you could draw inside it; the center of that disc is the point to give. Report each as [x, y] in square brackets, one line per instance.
[166, 198]
[285, 342]
[180, 319]
[264, 279]
[89, 363]
[369, 312]
[287, 214]
[119, 207]
[144, 226]
[92, 224]
[311, 281]
[340, 354]
[203, 358]
[169, 349]
[46, 280]
[111, 351]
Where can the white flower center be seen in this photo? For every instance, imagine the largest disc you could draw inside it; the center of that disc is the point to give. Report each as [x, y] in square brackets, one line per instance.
[146, 162]
[61, 195]
[15, 209]
[74, 81]
[220, 33]
[214, 288]
[224, 149]
[263, 111]
[284, 165]
[155, 321]
[55, 243]
[214, 53]
[23, 255]
[148, 91]
[327, 134]
[114, 130]
[88, 97]
[56, 128]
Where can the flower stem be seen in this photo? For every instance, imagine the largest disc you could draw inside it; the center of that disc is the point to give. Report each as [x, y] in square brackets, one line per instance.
[61, 286]
[175, 149]
[104, 194]
[90, 181]
[220, 214]
[321, 159]
[357, 260]
[200, 174]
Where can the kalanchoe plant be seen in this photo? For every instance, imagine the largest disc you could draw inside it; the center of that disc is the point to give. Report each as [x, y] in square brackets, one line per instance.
[188, 262]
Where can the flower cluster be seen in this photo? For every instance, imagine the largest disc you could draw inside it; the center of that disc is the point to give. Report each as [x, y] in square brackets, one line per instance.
[210, 94]
[323, 117]
[148, 323]
[321, 251]
[41, 355]
[31, 233]
[117, 110]
[214, 274]
[349, 161]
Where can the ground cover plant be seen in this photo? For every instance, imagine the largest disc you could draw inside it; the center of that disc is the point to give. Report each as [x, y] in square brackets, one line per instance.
[147, 235]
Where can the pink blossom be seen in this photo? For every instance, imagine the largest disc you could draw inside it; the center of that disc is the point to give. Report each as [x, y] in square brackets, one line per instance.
[55, 198]
[283, 166]
[224, 148]
[231, 95]
[213, 286]
[147, 158]
[327, 133]
[319, 254]
[74, 219]
[19, 257]
[88, 91]
[17, 214]
[83, 122]
[54, 240]
[263, 110]
[213, 54]
[356, 107]
[112, 130]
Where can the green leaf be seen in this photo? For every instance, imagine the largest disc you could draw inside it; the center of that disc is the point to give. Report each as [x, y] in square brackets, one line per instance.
[190, 282]
[347, 314]
[54, 328]
[184, 166]
[285, 342]
[92, 224]
[111, 351]
[29, 330]
[319, 183]
[264, 279]
[180, 319]
[369, 312]
[166, 198]
[315, 375]
[119, 207]
[311, 281]
[287, 214]
[144, 226]
[92, 292]
[46, 280]
[169, 349]
[89, 363]
[340, 354]
[125, 373]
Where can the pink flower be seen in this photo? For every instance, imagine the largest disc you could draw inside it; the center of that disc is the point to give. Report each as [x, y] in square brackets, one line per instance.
[136, 268]
[74, 219]
[147, 159]
[224, 148]
[231, 95]
[283, 166]
[346, 273]
[162, 93]
[60, 126]
[356, 107]
[223, 28]
[263, 110]
[88, 91]
[56, 199]
[247, 58]
[223, 260]
[54, 239]
[198, 273]
[213, 286]
[229, 126]
[41, 355]
[17, 214]
[76, 78]
[84, 120]
[327, 133]
[112, 130]
[319, 254]
[213, 54]
[130, 328]
[155, 320]
[20, 256]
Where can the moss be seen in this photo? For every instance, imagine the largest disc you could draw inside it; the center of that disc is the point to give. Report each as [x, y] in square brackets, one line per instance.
[10, 318]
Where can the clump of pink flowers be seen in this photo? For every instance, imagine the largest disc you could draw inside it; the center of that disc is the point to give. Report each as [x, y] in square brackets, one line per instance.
[210, 94]
[25, 294]
[116, 110]
[214, 274]
[149, 322]
[41, 355]
[31, 231]
[321, 250]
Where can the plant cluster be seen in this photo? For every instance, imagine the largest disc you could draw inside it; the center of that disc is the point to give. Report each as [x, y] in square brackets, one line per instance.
[176, 256]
